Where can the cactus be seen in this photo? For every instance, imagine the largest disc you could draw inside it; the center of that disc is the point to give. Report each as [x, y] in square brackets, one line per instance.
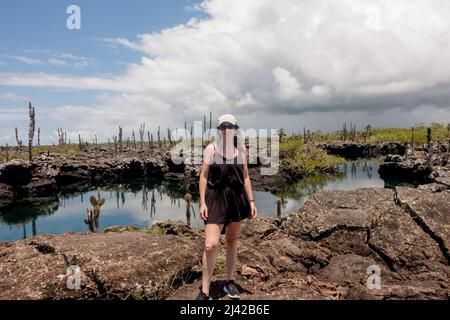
[134, 139]
[169, 134]
[19, 142]
[210, 125]
[39, 137]
[115, 143]
[151, 142]
[93, 214]
[448, 134]
[61, 137]
[80, 142]
[7, 153]
[159, 136]
[120, 139]
[31, 128]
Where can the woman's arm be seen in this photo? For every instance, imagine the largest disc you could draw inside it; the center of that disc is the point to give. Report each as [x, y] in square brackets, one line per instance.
[248, 187]
[207, 157]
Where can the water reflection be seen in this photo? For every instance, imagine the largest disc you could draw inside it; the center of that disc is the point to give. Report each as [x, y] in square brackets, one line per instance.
[140, 202]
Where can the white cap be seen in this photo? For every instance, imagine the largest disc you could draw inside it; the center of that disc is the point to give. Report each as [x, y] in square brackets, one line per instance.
[226, 118]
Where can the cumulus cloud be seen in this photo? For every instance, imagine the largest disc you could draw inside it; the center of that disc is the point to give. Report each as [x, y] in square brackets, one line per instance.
[288, 86]
[278, 58]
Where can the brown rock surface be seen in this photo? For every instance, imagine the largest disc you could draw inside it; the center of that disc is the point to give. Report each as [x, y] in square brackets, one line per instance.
[326, 250]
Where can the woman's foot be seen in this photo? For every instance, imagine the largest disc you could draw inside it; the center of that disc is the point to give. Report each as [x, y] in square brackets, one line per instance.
[231, 289]
[203, 296]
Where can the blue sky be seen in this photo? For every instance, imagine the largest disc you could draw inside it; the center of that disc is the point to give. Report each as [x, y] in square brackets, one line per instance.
[286, 63]
[35, 39]
[37, 30]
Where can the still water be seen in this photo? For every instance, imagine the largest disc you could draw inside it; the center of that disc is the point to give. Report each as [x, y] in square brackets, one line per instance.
[141, 202]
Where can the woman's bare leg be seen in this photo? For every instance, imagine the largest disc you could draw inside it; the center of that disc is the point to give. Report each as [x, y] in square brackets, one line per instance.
[231, 240]
[212, 238]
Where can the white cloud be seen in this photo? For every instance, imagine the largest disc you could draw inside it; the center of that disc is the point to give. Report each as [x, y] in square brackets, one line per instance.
[288, 86]
[321, 91]
[53, 58]
[27, 60]
[11, 96]
[57, 62]
[273, 58]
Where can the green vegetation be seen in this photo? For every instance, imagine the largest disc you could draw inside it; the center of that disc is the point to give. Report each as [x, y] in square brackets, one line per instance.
[439, 133]
[298, 159]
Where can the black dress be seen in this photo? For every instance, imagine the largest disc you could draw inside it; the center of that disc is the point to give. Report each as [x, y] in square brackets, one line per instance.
[225, 197]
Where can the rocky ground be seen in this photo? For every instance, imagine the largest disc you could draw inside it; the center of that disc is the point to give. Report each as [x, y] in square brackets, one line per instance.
[324, 251]
[421, 165]
[360, 150]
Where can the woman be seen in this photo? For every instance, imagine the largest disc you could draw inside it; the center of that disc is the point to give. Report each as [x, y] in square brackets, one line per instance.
[226, 198]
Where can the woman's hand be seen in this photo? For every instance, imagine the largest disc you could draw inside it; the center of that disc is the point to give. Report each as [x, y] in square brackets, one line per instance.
[253, 210]
[203, 211]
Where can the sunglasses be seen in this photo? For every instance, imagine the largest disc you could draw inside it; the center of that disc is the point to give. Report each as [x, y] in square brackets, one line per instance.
[227, 126]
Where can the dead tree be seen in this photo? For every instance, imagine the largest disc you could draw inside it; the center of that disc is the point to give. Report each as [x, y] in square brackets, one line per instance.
[31, 129]
[141, 135]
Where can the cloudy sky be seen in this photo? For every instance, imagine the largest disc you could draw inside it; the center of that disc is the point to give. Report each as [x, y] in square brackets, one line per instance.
[284, 63]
